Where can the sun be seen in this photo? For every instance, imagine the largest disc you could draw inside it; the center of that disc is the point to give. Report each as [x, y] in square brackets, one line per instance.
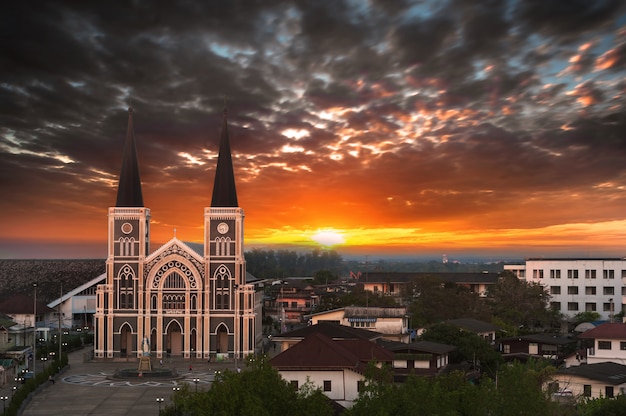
[328, 237]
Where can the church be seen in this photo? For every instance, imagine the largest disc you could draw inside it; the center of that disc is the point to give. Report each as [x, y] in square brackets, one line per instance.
[176, 301]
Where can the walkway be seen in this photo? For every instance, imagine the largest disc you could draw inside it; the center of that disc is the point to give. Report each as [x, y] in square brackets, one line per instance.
[86, 388]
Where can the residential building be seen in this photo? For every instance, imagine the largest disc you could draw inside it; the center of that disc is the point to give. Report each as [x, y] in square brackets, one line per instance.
[395, 283]
[332, 330]
[578, 285]
[335, 366]
[288, 301]
[420, 357]
[22, 309]
[597, 380]
[174, 301]
[392, 323]
[606, 343]
[537, 346]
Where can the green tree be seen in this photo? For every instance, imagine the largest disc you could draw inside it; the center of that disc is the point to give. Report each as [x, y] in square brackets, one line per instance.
[587, 316]
[257, 390]
[521, 304]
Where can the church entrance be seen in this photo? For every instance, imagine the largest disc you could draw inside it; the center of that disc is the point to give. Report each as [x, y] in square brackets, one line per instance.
[174, 339]
[126, 340]
[222, 340]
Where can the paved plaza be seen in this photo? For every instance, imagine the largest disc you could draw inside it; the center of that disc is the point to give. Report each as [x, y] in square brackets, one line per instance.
[88, 388]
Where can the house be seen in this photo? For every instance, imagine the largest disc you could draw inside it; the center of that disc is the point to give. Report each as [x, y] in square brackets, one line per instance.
[606, 343]
[392, 323]
[335, 366]
[331, 330]
[7, 340]
[577, 285]
[419, 358]
[78, 306]
[395, 283]
[288, 301]
[537, 345]
[591, 380]
[21, 309]
[483, 329]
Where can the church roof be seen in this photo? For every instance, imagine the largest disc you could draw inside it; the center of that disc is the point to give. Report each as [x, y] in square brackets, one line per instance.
[224, 192]
[129, 188]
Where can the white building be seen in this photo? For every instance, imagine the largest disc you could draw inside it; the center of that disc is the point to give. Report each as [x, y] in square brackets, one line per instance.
[578, 285]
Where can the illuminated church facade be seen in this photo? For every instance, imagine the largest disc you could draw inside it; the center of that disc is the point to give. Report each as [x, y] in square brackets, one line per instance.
[176, 301]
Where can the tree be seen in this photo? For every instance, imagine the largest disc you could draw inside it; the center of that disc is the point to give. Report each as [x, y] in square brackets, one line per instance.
[587, 316]
[258, 390]
[522, 304]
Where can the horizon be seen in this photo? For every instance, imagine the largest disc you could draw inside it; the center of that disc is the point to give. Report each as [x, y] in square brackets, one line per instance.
[372, 128]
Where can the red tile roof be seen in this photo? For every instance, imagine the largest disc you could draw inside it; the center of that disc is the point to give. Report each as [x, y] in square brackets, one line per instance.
[319, 352]
[606, 331]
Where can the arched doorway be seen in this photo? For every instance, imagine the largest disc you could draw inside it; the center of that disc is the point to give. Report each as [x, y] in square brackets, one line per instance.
[174, 339]
[222, 339]
[126, 340]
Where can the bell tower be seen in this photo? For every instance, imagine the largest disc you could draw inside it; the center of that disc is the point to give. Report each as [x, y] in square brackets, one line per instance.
[128, 245]
[229, 302]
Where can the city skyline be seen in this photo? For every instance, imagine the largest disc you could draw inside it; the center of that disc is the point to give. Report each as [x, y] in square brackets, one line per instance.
[377, 128]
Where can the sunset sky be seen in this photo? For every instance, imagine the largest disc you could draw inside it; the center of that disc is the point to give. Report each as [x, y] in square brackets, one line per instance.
[406, 128]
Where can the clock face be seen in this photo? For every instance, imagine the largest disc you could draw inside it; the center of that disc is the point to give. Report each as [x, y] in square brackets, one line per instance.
[127, 228]
[222, 228]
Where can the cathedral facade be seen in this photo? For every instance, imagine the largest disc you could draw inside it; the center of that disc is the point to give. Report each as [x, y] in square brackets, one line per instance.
[176, 301]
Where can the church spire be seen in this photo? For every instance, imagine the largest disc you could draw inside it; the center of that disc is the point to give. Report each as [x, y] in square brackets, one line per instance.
[129, 188]
[224, 192]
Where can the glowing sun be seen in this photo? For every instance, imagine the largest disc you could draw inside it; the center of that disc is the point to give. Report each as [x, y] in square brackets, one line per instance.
[328, 237]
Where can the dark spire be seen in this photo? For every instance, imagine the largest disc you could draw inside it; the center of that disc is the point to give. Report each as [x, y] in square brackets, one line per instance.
[129, 188]
[224, 192]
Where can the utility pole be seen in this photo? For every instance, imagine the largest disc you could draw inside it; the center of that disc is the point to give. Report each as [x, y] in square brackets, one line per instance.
[35, 330]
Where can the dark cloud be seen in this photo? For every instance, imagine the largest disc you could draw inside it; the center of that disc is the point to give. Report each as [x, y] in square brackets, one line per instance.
[383, 112]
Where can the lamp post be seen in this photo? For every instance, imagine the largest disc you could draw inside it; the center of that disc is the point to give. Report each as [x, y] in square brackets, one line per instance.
[4, 403]
[159, 401]
[35, 330]
[175, 389]
[43, 361]
[196, 380]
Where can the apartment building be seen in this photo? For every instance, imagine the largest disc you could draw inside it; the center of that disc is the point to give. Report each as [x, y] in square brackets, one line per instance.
[578, 285]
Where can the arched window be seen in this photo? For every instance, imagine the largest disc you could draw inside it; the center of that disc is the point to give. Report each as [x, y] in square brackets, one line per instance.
[126, 288]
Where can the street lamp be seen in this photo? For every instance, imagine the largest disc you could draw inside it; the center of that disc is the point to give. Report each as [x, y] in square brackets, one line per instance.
[196, 380]
[35, 330]
[159, 401]
[43, 361]
[175, 389]
[4, 403]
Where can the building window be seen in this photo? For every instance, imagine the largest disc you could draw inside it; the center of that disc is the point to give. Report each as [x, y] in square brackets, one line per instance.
[555, 274]
[609, 290]
[572, 274]
[555, 290]
[622, 345]
[623, 274]
[590, 274]
[537, 274]
[327, 385]
[604, 345]
[507, 348]
[556, 306]
[587, 390]
[608, 390]
[606, 306]
[572, 306]
[294, 384]
[608, 274]
[590, 307]
[590, 290]
[572, 290]
[360, 386]
[375, 288]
